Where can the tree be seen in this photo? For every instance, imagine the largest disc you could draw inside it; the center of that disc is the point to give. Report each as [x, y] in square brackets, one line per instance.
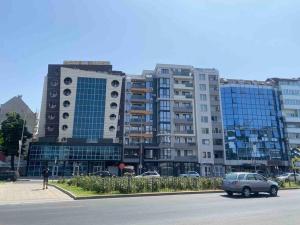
[11, 130]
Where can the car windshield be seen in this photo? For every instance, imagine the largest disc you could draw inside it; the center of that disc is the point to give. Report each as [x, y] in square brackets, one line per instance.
[231, 176]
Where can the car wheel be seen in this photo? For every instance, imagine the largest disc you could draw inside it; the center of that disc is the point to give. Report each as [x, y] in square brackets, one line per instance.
[230, 193]
[273, 191]
[246, 192]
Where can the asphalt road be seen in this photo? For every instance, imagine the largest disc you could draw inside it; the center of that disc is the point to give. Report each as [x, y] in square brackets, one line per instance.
[196, 209]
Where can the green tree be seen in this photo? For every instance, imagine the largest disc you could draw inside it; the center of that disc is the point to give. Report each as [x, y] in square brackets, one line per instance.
[11, 130]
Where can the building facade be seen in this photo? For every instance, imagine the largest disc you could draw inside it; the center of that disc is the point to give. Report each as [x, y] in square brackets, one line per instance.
[81, 120]
[171, 125]
[253, 126]
[289, 91]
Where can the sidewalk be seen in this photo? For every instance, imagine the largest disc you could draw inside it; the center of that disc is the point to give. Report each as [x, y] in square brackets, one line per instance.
[29, 192]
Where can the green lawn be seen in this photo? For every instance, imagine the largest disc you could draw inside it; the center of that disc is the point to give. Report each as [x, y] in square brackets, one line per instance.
[77, 191]
[291, 185]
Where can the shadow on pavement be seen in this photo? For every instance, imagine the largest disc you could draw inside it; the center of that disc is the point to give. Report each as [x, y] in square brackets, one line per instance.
[239, 196]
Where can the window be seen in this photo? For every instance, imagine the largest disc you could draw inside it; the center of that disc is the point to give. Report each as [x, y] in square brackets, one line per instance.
[112, 128]
[203, 97]
[165, 71]
[205, 141]
[114, 94]
[115, 83]
[164, 93]
[64, 127]
[164, 82]
[204, 119]
[205, 130]
[164, 105]
[209, 155]
[67, 80]
[203, 108]
[214, 118]
[67, 92]
[51, 116]
[241, 177]
[202, 87]
[54, 83]
[52, 105]
[112, 117]
[65, 115]
[202, 76]
[250, 177]
[66, 103]
[113, 105]
[218, 142]
[53, 94]
[204, 154]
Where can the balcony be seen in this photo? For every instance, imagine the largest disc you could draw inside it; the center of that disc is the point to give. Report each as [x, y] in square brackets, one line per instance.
[292, 119]
[178, 132]
[188, 86]
[183, 109]
[219, 161]
[139, 134]
[191, 145]
[137, 120]
[183, 97]
[191, 158]
[184, 120]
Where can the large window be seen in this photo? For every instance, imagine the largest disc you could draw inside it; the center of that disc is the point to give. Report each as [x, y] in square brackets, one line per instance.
[251, 116]
[164, 105]
[89, 108]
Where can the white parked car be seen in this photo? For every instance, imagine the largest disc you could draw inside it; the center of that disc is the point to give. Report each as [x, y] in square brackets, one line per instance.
[190, 174]
[149, 174]
[289, 177]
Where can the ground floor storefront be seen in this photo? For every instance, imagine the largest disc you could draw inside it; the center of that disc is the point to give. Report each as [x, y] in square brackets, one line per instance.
[174, 168]
[64, 159]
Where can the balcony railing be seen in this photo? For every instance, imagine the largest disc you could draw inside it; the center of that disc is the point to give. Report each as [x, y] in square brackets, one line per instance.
[138, 97]
[191, 158]
[183, 120]
[183, 109]
[184, 131]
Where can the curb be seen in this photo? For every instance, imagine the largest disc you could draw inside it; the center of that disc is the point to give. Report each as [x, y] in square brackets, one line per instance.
[134, 195]
[145, 194]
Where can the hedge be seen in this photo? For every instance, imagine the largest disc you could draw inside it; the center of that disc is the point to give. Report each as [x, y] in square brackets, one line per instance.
[127, 185]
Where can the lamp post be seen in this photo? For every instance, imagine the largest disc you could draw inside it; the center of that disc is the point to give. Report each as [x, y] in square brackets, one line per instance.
[20, 144]
[141, 148]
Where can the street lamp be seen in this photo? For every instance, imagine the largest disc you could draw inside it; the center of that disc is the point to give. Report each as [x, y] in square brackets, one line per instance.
[21, 143]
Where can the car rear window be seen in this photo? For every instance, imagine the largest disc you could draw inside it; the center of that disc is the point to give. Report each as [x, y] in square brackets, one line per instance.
[230, 176]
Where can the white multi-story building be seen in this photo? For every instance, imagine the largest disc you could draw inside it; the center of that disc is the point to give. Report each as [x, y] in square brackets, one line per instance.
[289, 90]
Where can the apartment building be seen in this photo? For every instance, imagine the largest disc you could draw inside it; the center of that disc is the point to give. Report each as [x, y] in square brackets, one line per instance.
[81, 119]
[253, 126]
[171, 124]
[289, 92]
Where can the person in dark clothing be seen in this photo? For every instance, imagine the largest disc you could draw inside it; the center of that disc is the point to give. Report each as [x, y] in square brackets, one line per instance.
[45, 176]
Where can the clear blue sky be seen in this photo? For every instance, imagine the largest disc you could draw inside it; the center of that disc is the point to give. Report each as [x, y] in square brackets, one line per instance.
[241, 38]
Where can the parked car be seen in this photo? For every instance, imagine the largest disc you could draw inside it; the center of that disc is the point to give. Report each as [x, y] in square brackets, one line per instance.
[190, 174]
[247, 183]
[149, 174]
[8, 175]
[288, 177]
[105, 174]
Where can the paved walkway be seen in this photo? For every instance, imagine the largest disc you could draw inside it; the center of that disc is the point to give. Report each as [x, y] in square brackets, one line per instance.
[29, 192]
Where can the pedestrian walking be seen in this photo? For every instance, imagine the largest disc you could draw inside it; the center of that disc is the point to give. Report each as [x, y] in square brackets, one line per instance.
[45, 178]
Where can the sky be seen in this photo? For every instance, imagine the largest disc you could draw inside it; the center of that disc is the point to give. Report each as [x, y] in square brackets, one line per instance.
[243, 39]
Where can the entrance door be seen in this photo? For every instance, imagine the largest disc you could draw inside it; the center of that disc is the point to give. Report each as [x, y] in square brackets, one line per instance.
[75, 170]
[97, 169]
[55, 171]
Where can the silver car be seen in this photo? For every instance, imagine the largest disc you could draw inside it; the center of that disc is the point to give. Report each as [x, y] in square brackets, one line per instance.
[247, 183]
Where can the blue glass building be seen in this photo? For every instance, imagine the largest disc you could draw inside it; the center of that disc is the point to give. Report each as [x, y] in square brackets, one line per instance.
[253, 126]
[90, 108]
